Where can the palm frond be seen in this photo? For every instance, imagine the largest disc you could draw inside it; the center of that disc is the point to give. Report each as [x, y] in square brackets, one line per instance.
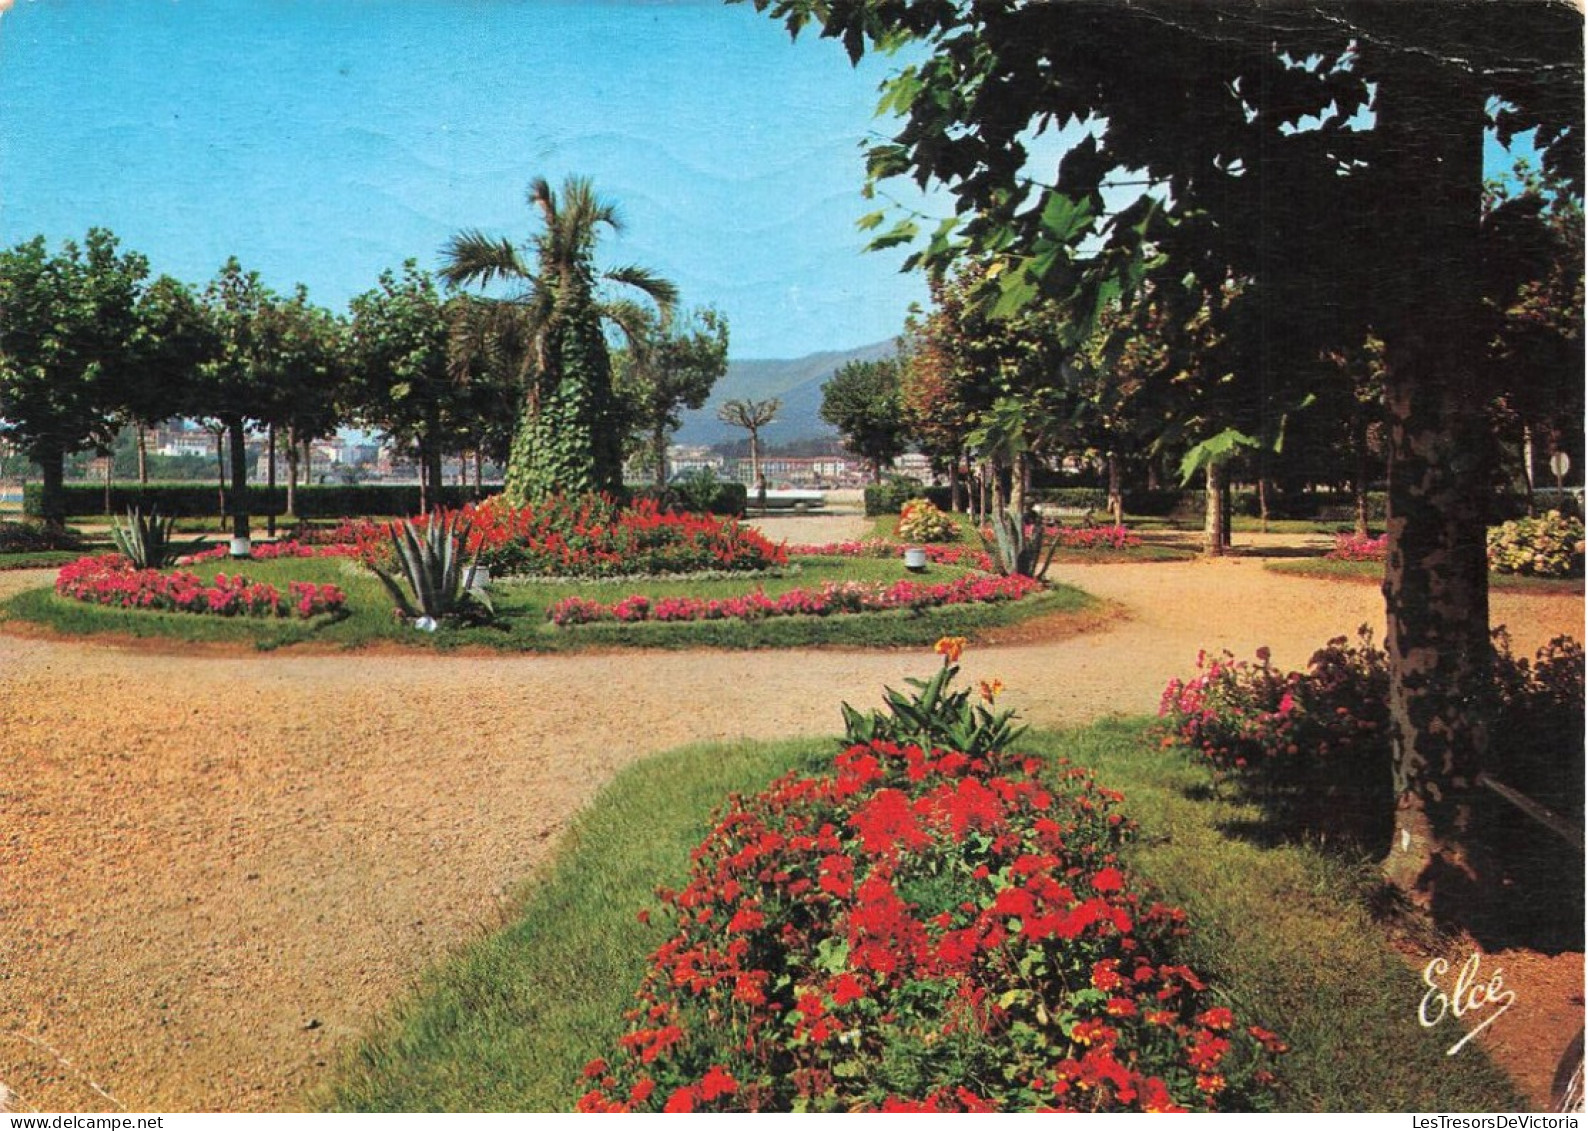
[661, 291]
[473, 257]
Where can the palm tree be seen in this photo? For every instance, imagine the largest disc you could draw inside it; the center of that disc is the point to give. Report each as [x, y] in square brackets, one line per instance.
[570, 437]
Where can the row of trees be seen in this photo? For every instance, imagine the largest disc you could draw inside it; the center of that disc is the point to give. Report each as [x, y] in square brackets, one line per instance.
[1160, 391]
[1311, 190]
[90, 344]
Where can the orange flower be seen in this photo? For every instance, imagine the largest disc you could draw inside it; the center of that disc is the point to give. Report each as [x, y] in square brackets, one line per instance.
[950, 648]
[990, 691]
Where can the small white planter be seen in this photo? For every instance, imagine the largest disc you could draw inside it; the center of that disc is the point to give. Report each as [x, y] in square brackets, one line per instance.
[242, 548]
[426, 624]
[915, 559]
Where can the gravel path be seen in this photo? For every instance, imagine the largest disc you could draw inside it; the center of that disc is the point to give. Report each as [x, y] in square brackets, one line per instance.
[215, 870]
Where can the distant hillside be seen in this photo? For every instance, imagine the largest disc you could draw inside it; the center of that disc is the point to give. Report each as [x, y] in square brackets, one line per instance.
[797, 382]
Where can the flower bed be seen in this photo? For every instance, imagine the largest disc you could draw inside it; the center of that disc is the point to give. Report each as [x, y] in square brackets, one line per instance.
[880, 548]
[831, 599]
[922, 930]
[1358, 548]
[112, 580]
[272, 551]
[1094, 537]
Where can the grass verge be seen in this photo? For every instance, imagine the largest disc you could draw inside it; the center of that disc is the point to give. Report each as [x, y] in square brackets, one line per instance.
[521, 625]
[1327, 569]
[1283, 933]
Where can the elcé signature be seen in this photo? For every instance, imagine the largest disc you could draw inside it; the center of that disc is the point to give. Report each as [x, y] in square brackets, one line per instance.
[1468, 994]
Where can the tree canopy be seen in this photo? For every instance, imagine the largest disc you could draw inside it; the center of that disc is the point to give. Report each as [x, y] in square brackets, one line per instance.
[1327, 157]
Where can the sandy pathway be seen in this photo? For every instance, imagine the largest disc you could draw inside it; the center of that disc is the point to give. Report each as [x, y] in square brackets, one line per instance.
[201, 913]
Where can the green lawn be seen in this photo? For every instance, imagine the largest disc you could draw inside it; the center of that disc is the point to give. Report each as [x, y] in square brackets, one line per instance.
[521, 613]
[1372, 573]
[1283, 933]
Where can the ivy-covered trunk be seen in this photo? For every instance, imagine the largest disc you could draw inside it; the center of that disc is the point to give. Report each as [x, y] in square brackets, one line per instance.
[569, 443]
[1436, 577]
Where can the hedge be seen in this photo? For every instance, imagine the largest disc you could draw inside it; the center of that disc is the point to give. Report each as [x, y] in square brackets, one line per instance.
[195, 500]
[730, 499]
[887, 498]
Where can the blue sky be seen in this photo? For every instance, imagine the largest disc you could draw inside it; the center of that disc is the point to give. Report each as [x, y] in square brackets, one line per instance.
[321, 141]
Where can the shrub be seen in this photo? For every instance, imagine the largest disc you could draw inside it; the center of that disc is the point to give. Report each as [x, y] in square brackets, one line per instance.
[892, 493]
[920, 521]
[33, 537]
[1547, 546]
[924, 930]
[698, 492]
[1315, 746]
[1016, 548]
[113, 581]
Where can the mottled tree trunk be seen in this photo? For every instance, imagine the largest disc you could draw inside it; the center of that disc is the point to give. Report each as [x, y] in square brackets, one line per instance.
[1215, 527]
[1436, 580]
[1360, 481]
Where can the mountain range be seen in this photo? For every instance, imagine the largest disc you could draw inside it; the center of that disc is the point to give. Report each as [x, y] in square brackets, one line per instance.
[797, 382]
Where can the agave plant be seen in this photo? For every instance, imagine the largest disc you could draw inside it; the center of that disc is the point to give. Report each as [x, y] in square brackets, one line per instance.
[1015, 549]
[146, 539]
[430, 561]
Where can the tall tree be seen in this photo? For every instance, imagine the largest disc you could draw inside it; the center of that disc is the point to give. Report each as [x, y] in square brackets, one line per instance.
[308, 379]
[570, 438]
[175, 338]
[233, 385]
[863, 401]
[672, 366]
[68, 350]
[401, 379]
[1331, 153]
[752, 416]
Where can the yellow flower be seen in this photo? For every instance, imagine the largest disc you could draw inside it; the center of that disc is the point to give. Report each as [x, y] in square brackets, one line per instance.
[950, 648]
[990, 691]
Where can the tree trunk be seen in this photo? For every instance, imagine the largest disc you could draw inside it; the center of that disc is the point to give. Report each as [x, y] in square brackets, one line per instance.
[110, 468]
[479, 473]
[240, 501]
[292, 474]
[1116, 494]
[220, 474]
[1527, 468]
[1262, 496]
[659, 450]
[52, 485]
[270, 481]
[1436, 578]
[1215, 525]
[143, 456]
[1360, 479]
